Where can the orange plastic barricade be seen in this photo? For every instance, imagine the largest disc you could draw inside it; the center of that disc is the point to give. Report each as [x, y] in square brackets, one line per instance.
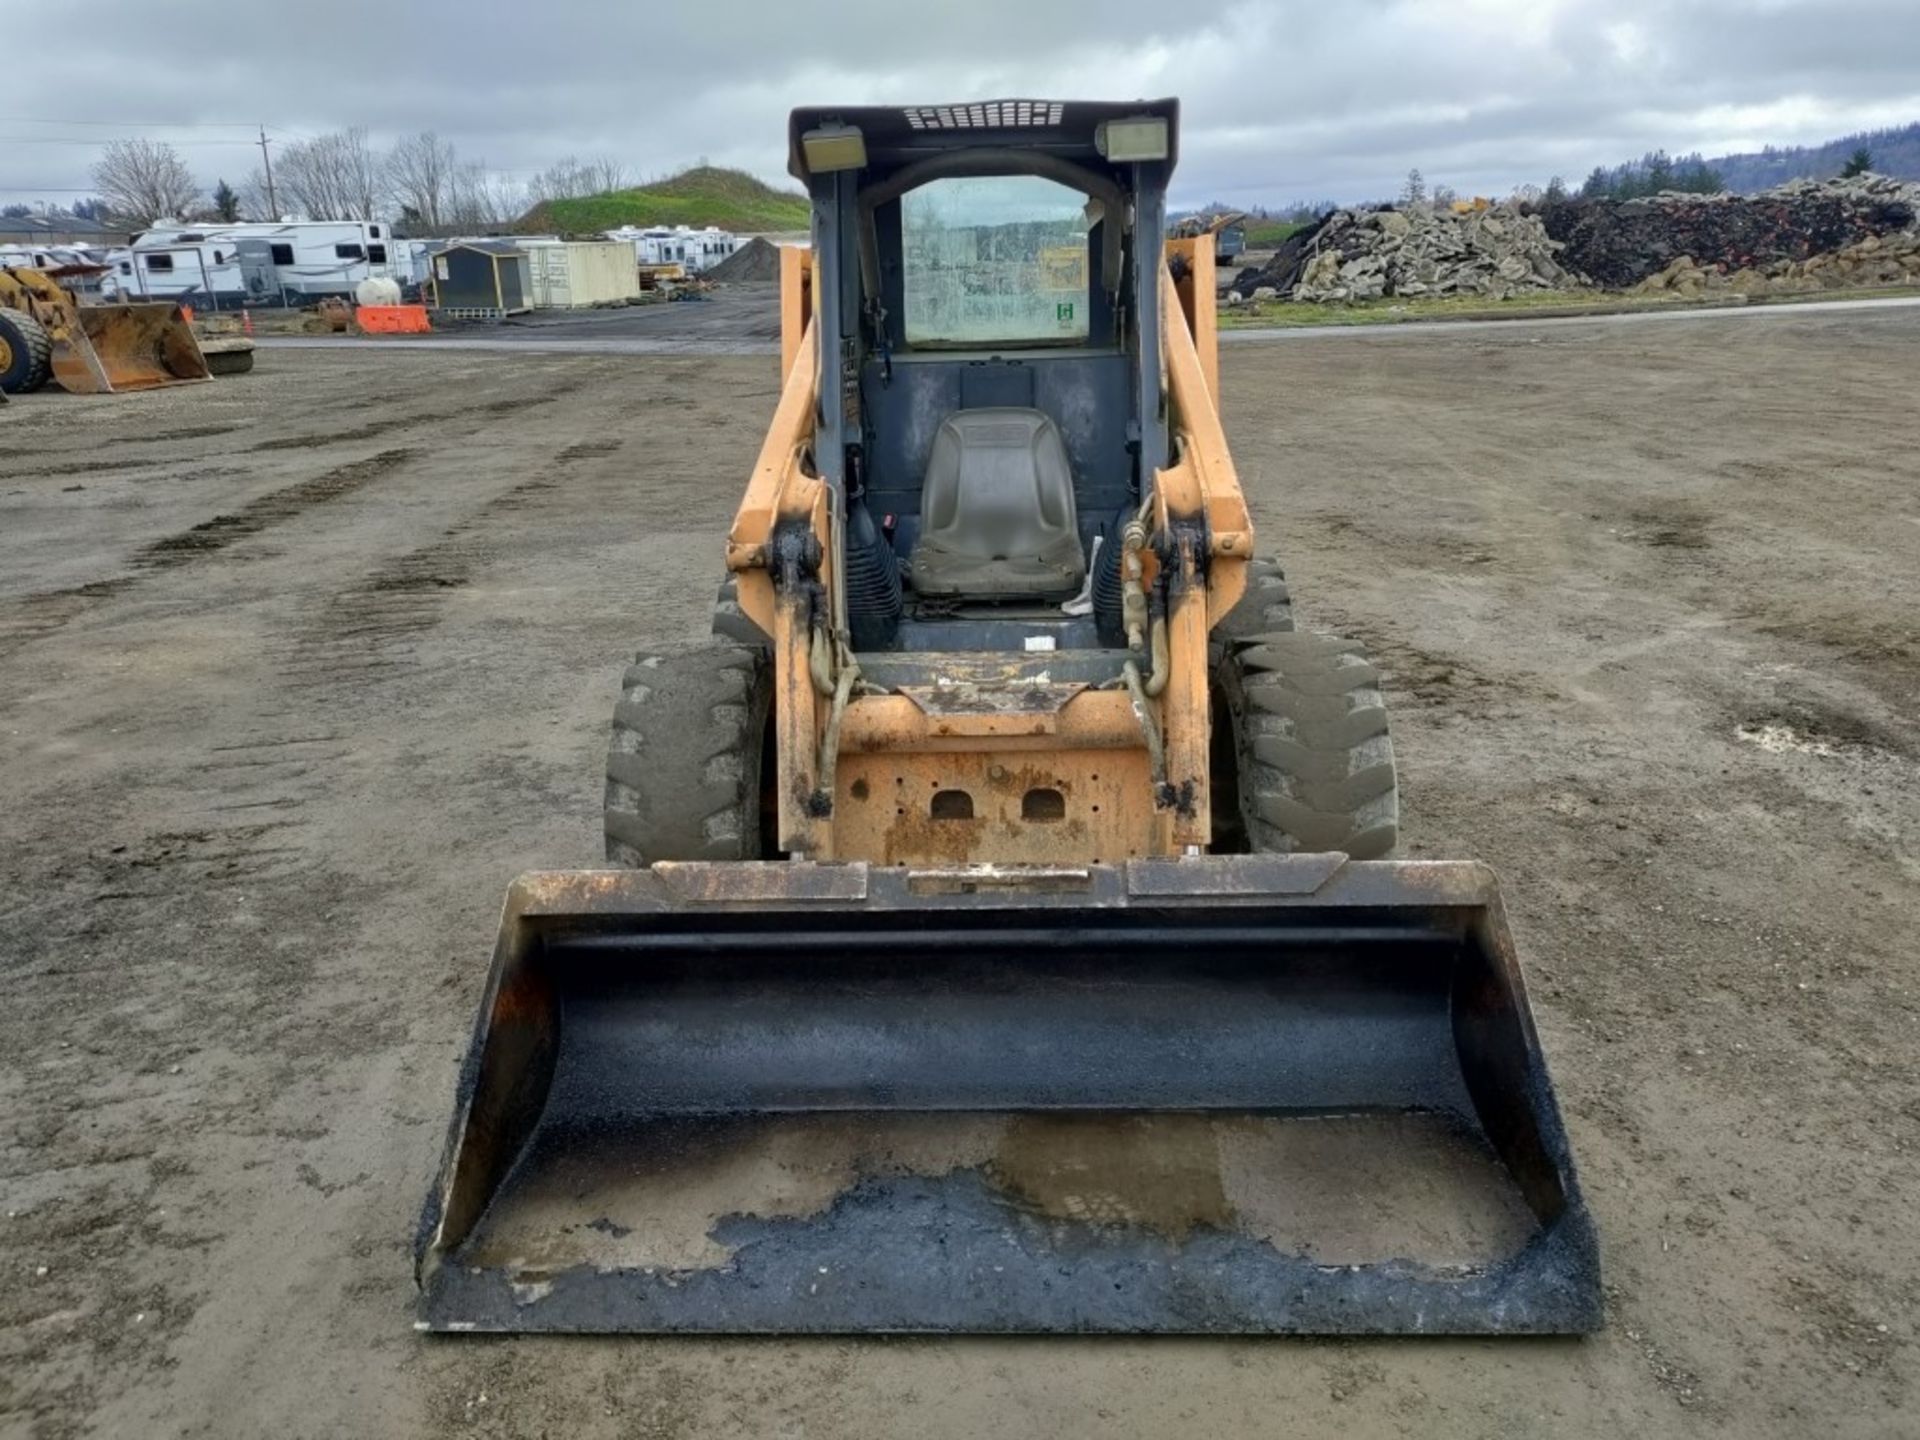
[392, 319]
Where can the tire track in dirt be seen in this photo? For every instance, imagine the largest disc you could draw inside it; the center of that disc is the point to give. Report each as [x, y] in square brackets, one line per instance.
[353, 638]
[436, 420]
[34, 616]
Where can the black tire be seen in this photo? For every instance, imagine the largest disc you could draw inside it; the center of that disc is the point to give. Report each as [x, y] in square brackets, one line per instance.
[1311, 758]
[229, 362]
[26, 353]
[730, 622]
[687, 763]
[1266, 608]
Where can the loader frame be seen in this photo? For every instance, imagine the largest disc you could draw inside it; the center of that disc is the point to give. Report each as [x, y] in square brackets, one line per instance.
[1152, 748]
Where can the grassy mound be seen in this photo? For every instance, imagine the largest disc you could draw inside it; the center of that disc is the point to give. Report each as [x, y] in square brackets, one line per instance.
[704, 195]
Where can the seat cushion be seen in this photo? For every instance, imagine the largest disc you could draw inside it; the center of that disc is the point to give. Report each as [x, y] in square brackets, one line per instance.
[997, 517]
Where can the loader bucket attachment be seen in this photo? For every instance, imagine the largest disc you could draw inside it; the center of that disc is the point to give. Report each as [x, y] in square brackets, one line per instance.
[127, 347]
[1233, 1095]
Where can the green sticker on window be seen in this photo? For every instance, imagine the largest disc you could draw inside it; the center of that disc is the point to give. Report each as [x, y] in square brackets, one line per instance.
[1063, 312]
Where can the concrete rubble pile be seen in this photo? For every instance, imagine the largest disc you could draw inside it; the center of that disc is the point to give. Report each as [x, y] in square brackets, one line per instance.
[1877, 260]
[1624, 244]
[1802, 236]
[1364, 254]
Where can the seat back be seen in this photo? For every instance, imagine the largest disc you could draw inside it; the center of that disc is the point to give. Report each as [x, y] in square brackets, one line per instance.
[996, 510]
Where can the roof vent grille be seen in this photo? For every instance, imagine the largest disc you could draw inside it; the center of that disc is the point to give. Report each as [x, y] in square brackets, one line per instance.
[986, 115]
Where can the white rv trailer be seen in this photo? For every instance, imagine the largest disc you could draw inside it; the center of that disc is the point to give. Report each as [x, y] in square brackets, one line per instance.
[48, 257]
[696, 250]
[57, 257]
[254, 262]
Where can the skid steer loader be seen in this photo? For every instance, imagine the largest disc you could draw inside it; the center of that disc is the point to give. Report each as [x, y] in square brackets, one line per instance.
[46, 334]
[1000, 937]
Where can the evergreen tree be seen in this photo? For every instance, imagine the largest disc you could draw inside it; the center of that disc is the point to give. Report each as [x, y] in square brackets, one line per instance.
[1659, 173]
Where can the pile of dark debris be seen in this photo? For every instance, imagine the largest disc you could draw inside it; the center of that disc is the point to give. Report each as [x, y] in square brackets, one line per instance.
[1802, 235]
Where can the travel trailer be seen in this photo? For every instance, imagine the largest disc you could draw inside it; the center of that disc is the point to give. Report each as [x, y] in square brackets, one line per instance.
[694, 250]
[289, 262]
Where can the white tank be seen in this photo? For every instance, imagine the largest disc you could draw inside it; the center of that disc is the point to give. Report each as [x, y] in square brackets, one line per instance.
[377, 290]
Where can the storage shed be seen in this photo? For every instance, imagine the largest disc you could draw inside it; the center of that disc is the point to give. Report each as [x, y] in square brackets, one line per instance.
[482, 277]
[572, 274]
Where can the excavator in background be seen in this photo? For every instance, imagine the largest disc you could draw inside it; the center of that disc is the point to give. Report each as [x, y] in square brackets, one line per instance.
[999, 932]
[1228, 229]
[46, 334]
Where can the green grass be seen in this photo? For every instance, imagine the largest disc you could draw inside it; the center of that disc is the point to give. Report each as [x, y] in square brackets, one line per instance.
[1285, 315]
[1280, 314]
[1268, 234]
[704, 195]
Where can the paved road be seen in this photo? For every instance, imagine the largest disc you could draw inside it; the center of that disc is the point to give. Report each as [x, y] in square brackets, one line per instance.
[1781, 311]
[741, 320]
[735, 320]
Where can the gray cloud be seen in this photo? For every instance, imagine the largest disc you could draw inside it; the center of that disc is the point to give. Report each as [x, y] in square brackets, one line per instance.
[1283, 100]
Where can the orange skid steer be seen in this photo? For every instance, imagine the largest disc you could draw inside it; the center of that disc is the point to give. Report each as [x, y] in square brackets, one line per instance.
[1002, 935]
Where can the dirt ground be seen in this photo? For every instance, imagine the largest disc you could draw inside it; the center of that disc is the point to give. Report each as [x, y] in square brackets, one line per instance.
[300, 669]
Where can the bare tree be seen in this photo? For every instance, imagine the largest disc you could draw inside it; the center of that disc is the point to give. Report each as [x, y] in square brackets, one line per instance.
[420, 172]
[606, 174]
[559, 181]
[145, 180]
[1414, 192]
[253, 197]
[478, 199]
[333, 177]
[572, 178]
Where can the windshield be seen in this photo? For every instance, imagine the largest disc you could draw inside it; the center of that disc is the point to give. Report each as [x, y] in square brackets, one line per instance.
[993, 260]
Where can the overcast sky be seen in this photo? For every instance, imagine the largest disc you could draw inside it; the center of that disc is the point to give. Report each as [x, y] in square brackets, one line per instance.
[1283, 101]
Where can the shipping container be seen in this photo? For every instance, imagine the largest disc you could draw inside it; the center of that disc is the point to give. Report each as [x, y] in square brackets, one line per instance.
[574, 274]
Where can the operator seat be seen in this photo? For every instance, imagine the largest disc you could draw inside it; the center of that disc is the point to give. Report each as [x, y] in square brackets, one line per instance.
[997, 519]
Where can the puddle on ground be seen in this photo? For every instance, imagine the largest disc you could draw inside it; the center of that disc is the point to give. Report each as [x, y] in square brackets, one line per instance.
[1345, 1189]
[1777, 739]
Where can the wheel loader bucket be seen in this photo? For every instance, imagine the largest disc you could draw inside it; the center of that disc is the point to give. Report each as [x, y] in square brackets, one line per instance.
[1232, 1095]
[126, 347]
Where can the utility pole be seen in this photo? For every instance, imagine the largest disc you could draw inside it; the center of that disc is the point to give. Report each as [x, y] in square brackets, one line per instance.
[273, 205]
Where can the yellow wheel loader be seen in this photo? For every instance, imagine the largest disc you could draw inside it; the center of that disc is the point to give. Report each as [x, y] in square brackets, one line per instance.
[46, 334]
[1000, 935]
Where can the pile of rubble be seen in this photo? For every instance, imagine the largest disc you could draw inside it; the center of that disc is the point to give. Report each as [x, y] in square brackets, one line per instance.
[1804, 235]
[1877, 260]
[1620, 244]
[758, 259]
[1497, 251]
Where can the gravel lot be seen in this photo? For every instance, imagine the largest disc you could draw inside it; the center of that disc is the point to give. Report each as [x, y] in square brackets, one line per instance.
[302, 667]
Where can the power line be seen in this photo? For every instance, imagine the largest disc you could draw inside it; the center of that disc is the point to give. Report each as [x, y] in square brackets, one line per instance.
[74, 140]
[147, 124]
